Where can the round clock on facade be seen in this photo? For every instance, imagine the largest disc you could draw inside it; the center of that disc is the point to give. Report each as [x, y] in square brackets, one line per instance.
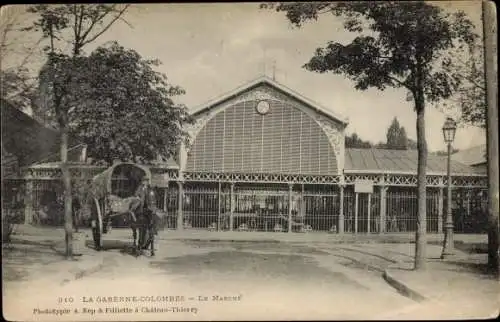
[263, 107]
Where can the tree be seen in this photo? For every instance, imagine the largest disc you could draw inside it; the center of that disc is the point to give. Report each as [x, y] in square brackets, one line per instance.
[400, 45]
[491, 80]
[18, 86]
[396, 136]
[138, 121]
[83, 24]
[470, 99]
[354, 141]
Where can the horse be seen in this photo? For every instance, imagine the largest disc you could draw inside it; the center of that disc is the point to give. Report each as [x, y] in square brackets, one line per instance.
[130, 206]
[142, 215]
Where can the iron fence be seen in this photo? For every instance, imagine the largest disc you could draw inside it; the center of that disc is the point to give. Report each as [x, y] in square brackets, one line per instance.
[375, 212]
[48, 203]
[200, 206]
[266, 208]
[402, 210]
[368, 213]
[322, 211]
[349, 209]
[259, 210]
[432, 211]
[168, 201]
[13, 200]
[469, 210]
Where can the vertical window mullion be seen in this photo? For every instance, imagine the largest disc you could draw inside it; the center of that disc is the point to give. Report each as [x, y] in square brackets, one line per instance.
[203, 159]
[251, 147]
[318, 137]
[262, 143]
[300, 145]
[212, 143]
[233, 126]
[311, 140]
[223, 140]
[243, 136]
[281, 139]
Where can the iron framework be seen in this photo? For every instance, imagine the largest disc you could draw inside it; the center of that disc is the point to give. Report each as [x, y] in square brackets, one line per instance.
[401, 180]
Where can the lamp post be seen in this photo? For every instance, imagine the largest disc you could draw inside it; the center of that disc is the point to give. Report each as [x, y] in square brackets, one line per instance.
[449, 130]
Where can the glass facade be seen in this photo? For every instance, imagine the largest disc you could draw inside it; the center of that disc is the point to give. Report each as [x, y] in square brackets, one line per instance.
[285, 140]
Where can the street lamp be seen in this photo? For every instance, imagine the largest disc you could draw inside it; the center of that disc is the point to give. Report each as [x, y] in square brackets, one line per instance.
[449, 130]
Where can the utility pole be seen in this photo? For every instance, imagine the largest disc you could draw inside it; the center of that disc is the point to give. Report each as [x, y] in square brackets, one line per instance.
[490, 70]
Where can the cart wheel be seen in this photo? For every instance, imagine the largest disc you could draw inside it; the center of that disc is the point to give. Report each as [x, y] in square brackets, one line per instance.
[96, 234]
[96, 224]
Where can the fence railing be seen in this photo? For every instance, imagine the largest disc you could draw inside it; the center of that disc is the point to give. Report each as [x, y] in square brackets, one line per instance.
[270, 210]
[402, 211]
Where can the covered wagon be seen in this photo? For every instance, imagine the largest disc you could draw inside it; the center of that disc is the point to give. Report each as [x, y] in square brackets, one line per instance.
[109, 190]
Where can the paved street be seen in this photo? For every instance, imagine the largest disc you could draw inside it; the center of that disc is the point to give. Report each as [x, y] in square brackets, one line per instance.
[195, 279]
[257, 281]
[314, 237]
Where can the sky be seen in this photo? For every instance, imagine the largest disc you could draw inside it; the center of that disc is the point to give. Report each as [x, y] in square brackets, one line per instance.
[210, 49]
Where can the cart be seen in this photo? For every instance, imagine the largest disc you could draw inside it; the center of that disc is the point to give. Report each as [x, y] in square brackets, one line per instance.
[110, 191]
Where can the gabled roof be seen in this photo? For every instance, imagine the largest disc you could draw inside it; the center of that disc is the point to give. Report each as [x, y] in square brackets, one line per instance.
[400, 162]
[472, 156]
[277, 86]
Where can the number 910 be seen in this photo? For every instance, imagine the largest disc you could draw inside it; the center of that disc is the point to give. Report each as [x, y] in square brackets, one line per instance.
[65, 300]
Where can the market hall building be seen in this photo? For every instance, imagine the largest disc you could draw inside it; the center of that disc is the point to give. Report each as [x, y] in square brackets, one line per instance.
[265, 158]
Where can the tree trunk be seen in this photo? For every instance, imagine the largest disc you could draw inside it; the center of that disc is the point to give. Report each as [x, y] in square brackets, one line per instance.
[490, 63]
[420, 236]
[66, 176]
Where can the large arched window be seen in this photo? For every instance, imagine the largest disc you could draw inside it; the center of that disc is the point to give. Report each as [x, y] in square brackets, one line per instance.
[282, 140]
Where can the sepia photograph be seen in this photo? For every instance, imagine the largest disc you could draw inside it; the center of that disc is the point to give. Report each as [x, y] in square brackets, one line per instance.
[250, 161]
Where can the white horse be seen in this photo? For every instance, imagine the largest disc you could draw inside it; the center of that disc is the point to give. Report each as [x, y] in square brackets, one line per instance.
[129, 206]
[142, 214]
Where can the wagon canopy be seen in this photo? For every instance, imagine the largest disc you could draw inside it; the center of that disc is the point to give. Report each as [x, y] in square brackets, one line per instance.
[134, 173]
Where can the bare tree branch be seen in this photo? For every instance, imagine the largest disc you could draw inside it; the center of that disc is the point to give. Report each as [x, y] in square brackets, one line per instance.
[75, 24]
[9, 21]
[402, 83]
[96, 20]
[126, 22]
[474, 82]
[81, 19]
[30, 53]
[7, 29]
[103, 30]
